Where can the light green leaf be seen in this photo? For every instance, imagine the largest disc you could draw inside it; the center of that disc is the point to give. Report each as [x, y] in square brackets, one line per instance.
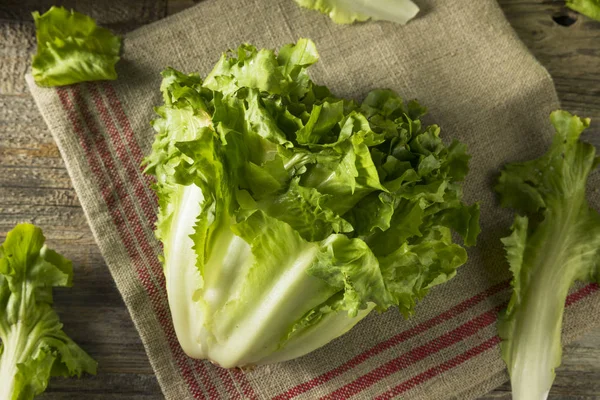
[405, 223]
[34, 347]
[373, 211]
[349, 11]
[296, 57]
[558, 244]
[72, 49]
[260, 122]
[346, 173]
[591, 8]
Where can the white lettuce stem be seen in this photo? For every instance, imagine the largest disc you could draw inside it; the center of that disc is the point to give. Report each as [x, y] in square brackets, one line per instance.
[8, 365]
[184, 280]
[330, 327]
[400, 11]
[220, 323]
[230, 259]
[535, 348]
[259, 330]
[16, 349]
[17, 342]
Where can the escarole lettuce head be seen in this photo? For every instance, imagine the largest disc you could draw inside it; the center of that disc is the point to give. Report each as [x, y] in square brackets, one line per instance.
[288, 214]
[33, 346]
[555, 241]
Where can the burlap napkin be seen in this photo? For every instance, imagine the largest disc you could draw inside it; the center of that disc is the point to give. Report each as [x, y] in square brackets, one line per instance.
[460, 58]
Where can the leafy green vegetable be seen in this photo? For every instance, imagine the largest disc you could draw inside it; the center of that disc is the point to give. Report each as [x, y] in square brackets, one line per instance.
[33, 346]
[591, 8]
[71, 48]
[287, 214]
[554, 243]
[350, 11]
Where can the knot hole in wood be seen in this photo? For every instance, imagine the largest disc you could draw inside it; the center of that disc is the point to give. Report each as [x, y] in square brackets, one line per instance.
[565, 18]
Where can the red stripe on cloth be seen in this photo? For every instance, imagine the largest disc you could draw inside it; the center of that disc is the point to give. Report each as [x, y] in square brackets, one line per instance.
[247, 388]
[438, 369]
[225, 378]
[118, 111]
[127, 202]
[456, 361]
[415, 355]
[118, 220]
[140, 187]
[146, 203]
[581, 294]
[136, 221]
[394, 341]
[151, 256]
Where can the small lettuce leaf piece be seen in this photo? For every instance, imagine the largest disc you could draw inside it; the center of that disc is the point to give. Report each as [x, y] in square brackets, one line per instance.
[590, 8]
[554, 242]
[33, 345]
[350, 11]
[71, 48]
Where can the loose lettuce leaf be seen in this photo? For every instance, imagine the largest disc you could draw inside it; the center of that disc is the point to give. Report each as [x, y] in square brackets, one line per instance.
[287, 214]
[71, 48]
[33, 345]
[350, 11]
[554, 242]
[591, 8]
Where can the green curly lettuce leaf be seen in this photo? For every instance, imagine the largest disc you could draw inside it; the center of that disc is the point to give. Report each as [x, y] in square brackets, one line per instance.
[71, 48]
[33, 345]
[555, 241]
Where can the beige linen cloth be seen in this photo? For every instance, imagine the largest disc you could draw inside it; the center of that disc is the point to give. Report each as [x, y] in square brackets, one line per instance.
[460, 58]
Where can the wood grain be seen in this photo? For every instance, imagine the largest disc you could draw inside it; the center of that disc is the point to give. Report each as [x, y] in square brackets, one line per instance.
[570, 53]
[35, 187]
[119, 16]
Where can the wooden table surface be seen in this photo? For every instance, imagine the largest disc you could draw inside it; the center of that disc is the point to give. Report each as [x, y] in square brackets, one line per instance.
[35, 187]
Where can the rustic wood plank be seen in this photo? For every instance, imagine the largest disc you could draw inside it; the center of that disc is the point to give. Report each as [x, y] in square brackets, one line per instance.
[570, 53]
[35, 187]
[18, 44]
[108, 386]
[120, 16]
